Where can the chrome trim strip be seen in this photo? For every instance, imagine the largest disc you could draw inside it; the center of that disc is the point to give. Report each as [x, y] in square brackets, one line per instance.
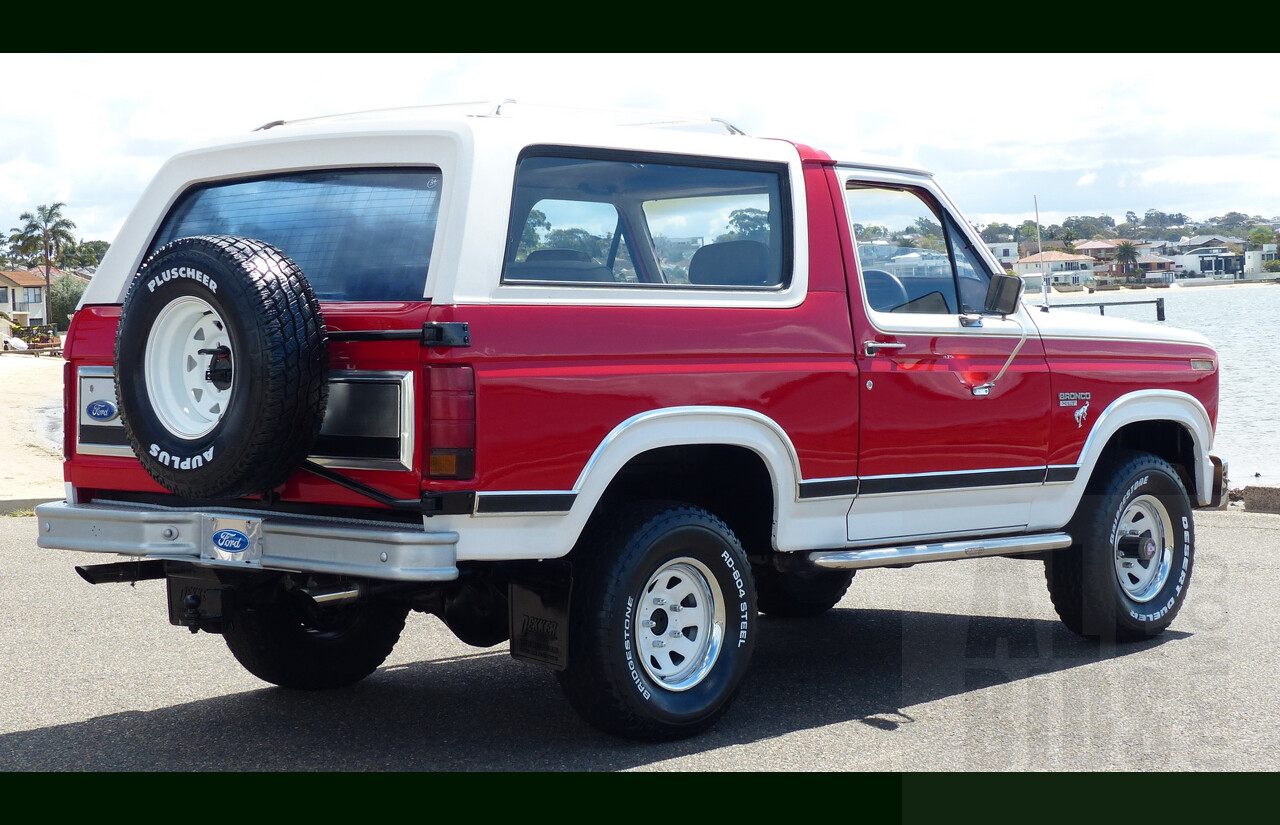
[829, 488]
[952, 480]
[1059, 474]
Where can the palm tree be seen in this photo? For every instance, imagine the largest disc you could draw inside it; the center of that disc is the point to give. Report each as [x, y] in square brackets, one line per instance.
[45, 234]
[1127, 254]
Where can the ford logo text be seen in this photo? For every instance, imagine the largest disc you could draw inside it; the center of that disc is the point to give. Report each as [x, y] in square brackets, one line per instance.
[101, 410]
[231, 541]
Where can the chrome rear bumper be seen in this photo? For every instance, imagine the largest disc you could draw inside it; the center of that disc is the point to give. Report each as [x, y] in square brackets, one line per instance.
[271, 541]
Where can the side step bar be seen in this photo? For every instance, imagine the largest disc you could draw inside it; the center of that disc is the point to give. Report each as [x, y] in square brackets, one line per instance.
[946, 551]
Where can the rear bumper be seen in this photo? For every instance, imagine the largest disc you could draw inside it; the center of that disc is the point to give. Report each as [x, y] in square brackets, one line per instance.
[344, 547]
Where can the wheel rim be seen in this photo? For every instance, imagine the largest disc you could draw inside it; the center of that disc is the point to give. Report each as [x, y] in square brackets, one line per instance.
[188, 342]
[1145, 524]
[681, 624]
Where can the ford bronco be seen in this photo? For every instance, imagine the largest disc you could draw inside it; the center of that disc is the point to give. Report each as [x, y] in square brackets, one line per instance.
[603, 388]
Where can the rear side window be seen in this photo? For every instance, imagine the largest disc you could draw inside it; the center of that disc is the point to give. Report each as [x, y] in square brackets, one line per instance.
[357, 234]
[645, 221]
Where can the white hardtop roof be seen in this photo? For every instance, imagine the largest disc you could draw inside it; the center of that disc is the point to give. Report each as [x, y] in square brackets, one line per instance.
[551, 124]
[480, 140]
[510, 125]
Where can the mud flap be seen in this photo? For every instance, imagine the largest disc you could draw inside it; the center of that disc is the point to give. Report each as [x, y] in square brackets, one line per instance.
[540, 619]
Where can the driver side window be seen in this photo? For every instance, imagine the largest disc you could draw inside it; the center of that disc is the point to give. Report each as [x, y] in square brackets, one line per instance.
[911, 256]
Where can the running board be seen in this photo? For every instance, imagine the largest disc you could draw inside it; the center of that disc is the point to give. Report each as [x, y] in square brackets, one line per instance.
[947, 551]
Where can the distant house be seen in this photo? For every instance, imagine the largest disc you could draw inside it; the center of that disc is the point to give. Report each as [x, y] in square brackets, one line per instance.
[1212, 261]
[1006, 253]
[1256, 259]
[1060, 267]
[22, 295]
[1098, 250]
[1032, 247]
[1157, 268]
[1104, 252]
[1190, 245]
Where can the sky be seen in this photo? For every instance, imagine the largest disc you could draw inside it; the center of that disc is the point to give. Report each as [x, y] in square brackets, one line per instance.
[1072, 133]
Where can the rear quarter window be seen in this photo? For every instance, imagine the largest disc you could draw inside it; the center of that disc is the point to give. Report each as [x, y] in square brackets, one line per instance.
[357, 234]
[605, 219]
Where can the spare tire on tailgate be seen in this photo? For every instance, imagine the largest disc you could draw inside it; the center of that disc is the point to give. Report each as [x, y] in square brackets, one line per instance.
[221, 366]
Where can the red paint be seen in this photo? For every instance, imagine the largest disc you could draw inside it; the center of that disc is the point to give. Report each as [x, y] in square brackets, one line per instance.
[551, 382]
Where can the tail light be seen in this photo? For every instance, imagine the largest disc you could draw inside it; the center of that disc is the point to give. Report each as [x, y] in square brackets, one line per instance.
[452, 423]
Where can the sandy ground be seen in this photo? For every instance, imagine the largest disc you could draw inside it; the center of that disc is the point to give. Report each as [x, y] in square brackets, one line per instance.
[30, 428]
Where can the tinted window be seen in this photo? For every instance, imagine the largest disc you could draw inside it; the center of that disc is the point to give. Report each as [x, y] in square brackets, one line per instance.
[642, 221]
[358, 235]
[911, 259]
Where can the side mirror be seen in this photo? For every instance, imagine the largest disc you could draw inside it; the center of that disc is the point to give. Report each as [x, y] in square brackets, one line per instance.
[1003, 295]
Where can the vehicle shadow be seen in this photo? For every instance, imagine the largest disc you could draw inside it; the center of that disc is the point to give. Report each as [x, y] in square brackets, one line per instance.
[489, 712]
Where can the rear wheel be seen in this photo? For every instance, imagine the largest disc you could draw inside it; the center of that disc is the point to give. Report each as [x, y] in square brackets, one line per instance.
[1127, 576]
[662, 633]
[282, 638]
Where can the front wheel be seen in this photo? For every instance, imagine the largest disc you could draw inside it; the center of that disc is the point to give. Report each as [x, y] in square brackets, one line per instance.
[1127, 575]
[662, 633]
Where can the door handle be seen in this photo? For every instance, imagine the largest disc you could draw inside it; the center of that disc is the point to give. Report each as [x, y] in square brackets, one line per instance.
[874, 347]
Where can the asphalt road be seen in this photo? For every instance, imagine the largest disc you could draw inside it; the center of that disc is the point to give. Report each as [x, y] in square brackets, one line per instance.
[956, 666]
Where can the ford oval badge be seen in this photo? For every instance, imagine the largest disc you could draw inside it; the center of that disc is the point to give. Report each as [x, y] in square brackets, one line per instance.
[101, 410]
[231, 541]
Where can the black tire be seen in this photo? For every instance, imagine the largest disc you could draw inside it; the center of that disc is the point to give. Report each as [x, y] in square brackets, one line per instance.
[1126, 577]
[682, 687]
[799, 593]
[235, 417]
[281, 639]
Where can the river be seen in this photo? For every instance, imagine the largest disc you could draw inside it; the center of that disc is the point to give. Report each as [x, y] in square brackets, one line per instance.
[1243, 322]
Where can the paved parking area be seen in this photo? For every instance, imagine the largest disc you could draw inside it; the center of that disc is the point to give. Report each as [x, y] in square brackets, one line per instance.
[944, 667]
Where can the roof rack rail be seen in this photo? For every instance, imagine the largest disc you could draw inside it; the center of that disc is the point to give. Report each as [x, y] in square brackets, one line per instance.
[510, 108]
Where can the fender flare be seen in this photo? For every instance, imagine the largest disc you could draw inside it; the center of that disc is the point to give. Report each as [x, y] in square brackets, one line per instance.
[687, 426]
[1151, 405]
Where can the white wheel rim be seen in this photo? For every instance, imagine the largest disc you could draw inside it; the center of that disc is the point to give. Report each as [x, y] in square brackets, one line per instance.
[1148, 519]
[681, 621]
[188, 404]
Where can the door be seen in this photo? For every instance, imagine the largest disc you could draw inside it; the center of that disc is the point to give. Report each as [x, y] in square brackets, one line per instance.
[954, 411]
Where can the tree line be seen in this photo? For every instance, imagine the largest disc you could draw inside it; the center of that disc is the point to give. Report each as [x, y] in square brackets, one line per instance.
[44, 241]
[1154, 225]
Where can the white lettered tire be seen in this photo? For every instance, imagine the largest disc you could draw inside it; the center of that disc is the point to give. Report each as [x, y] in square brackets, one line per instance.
[1127, 575]
[662, 625]
[221, 366]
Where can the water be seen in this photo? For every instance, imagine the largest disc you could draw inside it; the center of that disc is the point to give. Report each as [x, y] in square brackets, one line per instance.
[1243, 323]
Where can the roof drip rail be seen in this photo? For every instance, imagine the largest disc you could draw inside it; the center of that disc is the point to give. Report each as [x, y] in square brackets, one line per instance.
[613, 116]
[509, 107]
[382, 113]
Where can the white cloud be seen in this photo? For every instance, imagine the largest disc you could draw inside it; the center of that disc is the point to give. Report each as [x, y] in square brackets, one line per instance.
[981, 120]
[1263, 172]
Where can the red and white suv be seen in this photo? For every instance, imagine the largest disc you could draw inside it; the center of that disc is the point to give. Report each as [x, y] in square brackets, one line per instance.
[602, 388]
